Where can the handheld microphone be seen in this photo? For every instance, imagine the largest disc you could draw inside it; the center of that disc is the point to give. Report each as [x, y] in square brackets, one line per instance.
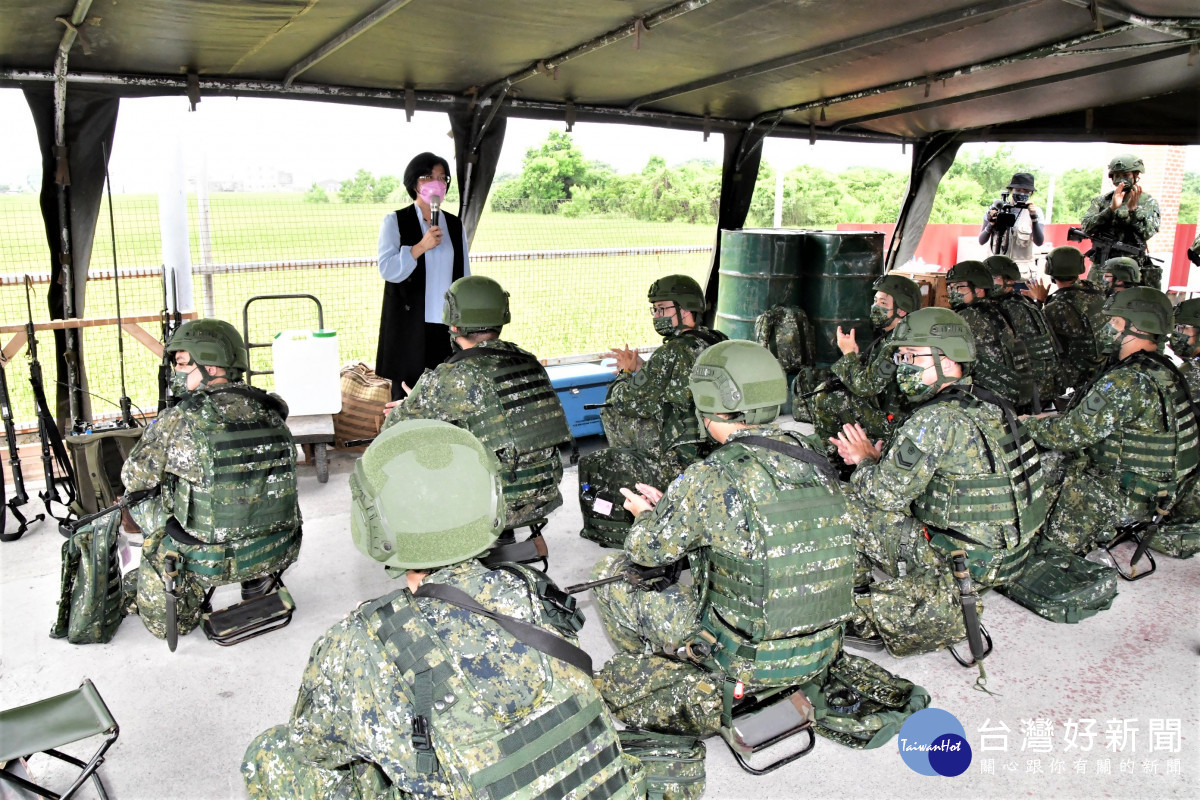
[435, 204]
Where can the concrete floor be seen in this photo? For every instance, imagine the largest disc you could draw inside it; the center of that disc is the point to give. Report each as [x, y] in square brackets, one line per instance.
[187, 717]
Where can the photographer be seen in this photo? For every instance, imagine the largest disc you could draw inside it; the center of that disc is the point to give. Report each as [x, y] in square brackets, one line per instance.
[1012, 224]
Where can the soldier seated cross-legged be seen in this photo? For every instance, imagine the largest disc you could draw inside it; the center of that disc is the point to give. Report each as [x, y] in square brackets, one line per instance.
[764, 526]
[952, 504]
[501, 394]
[226, 510]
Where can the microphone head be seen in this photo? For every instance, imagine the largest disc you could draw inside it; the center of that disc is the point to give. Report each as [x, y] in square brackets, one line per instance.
[435, 205]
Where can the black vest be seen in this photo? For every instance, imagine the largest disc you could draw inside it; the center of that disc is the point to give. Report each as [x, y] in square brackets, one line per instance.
[400, 355]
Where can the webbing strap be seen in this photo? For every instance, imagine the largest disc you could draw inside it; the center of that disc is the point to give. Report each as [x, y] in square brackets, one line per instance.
[537, 638]
[795, 451]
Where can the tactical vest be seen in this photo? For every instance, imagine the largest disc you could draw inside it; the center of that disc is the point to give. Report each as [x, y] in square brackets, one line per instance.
[777, 614]
[1010, 491]
[1041, 345]
[1077, 350]
[522, 415]
[480, 756]
[1150, 463]
[1017, 386]
[247, 486]
[680, 431]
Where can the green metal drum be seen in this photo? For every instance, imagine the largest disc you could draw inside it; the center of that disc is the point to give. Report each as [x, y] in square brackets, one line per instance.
[759, 268]
[837, 270]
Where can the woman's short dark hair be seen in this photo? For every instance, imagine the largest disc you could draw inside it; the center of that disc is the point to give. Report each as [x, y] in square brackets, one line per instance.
[423, 164]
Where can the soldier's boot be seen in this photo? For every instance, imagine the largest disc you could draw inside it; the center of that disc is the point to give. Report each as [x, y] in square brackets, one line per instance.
[256, 588]
[861, 633]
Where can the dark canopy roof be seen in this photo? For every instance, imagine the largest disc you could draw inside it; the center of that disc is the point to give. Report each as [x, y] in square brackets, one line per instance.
[1001, 69]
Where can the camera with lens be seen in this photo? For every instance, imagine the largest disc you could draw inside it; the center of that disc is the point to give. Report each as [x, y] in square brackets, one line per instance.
[1006, 215]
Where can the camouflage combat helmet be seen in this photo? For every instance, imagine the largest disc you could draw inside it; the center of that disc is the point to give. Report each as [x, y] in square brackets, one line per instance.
[940, 329]
[475, 303]
[971, 272]
[1064, 262]
[425, 494]
[906, 294]
[1188, 312]
[741, 378]
[1003, 267]
[1146, 309]
[211, 343]
[1123, 268]
[679, 289]
[1126, 162]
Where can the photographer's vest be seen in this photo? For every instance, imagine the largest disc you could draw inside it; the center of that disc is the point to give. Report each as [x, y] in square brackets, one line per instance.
[520, 416]
[1149, 463]
[1015, 380]
[461, 744]
[777, 613]
[1009, 490]
[243, 510]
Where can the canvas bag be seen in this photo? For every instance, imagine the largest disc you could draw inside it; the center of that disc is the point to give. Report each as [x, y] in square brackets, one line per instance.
[364, 395]
[673, 765]
[1061, 586]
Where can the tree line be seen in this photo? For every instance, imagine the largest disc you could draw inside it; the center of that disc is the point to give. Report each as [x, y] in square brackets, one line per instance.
[556, 178]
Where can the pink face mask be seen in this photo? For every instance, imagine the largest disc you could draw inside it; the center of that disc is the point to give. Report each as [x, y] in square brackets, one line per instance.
[428, 190]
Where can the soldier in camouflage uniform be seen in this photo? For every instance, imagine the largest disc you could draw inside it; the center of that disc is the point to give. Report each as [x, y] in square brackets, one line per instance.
[1130, 434]
[1120, 274]
[1074, 314]
[649, 419]
[960, 474]
[1003, 364]
[1179, 535]
[1126, 215]
[868, 393]
[226, 465]
[500, 393]
[425, 692]
[761, 510]
[1030, 325]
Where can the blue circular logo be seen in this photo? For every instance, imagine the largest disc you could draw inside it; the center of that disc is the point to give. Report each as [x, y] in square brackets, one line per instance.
[933, 742]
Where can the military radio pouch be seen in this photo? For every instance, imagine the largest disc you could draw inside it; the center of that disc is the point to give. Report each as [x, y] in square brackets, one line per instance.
[673, 765]
[1061, 586]
[89, 604]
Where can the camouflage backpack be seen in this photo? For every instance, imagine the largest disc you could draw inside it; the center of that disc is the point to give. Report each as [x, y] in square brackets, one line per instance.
[1061, 586]
[861, 704]
[601, 476]
[673, 765]
[787, 333]
[89, 605]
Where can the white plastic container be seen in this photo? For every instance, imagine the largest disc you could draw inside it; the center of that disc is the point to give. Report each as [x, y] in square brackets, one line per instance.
[307, 371]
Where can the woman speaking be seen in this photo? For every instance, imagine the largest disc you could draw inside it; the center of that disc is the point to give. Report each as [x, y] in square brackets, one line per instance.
[422, 250]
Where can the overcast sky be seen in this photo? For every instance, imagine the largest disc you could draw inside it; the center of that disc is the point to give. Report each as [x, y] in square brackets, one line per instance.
[325, 141]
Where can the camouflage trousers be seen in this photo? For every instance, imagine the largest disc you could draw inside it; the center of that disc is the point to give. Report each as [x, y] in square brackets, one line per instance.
[1179, 535]
[145, 594]
[1089, 508]
[275, 769]
[638, 619]
[917, 609]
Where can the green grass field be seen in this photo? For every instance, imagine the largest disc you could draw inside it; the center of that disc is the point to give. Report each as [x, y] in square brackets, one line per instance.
[560, 306]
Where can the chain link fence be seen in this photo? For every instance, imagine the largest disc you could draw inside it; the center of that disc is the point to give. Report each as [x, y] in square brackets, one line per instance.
[577, 283]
